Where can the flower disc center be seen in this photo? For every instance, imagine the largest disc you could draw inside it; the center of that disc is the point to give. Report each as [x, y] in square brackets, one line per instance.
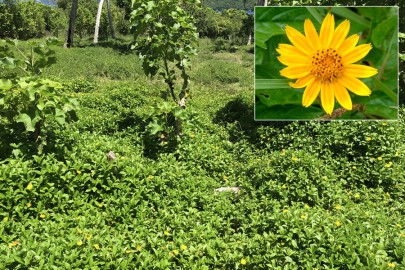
[326, 64]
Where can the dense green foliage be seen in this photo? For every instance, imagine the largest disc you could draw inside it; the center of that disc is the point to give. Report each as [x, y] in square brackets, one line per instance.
[29, 99]
[313, 194]
[28, 19]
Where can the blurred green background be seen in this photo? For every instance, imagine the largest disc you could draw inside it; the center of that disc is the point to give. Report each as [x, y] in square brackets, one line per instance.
[275, 100]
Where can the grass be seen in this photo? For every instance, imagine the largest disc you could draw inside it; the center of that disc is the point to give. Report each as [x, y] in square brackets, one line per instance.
[314, 195]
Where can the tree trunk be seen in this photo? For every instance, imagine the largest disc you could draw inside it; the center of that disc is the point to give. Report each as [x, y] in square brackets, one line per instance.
[250, 39]
[72, 19]
[110, 19]
[97, 27]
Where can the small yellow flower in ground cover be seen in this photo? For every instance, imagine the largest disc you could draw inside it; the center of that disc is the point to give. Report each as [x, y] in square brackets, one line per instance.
[78, 172]
[42, 215]
[338, 207]
[325, 64]
[96, 246]
[79, 243]
[304, 216]
[295, 158]
[388, 165]
[399, 225]
[150, 177]
[368, 139]
[29, 186]
[357, 195]
[138, 248]
[13, 244]
[183, 247]
[176, 252]
[285, 211]
[306, 206]
[88, 237]
[391, 265]
[338, 223]
[128, 251]
[166, 233]
[379, 158]
[5, 219]
[243, 261]
[402, 234]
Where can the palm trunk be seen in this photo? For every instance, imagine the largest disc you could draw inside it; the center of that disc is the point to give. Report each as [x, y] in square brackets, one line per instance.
[110, 19]
[97, 27]
[72, 19]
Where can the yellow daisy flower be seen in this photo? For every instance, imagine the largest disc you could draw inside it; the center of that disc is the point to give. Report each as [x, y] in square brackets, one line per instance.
[324, 63]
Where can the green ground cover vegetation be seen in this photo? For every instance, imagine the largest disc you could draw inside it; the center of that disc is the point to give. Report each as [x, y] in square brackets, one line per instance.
[314, 195]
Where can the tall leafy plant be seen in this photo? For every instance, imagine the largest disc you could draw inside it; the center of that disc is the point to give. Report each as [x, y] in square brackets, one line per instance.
[165, 37]
[30, 99]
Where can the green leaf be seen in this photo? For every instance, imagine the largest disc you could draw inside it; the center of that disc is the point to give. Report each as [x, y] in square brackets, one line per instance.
[7, 62]
[154, 127]
[384, 32]
[5, 84]
[261, 84]
[351, 15]
[286, 112]
[271, 97]
[60, 116]
[26, 120]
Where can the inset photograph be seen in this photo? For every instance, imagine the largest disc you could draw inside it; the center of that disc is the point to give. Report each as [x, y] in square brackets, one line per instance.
[326, 63]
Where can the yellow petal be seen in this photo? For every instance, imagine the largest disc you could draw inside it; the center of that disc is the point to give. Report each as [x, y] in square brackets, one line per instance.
[302, 82]
[327, 29]
[298, 40]
[348, 44]
[327, 97]
[311, 35]
[295, 72]
[296, 60]
[340, 34]
[359, 71]
[355, 85]
[356, 54]
[311, 92]
[289, 50]
[342, 96]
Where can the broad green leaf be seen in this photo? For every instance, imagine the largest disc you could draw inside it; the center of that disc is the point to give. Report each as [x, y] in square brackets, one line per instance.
[286, 112]
[351, 15]
[5, 84]
[271, 97]
[26, 120]
[261, 84]
[384, 32]
[381, 86]
[7, 62]
[59, 116]
[154, 127]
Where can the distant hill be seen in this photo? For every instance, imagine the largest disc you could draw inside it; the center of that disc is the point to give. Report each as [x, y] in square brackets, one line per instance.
[226, 4]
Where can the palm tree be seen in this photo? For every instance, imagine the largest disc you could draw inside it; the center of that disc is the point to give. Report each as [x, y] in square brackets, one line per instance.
[110, 20]
[97, 27]
[72, 19]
